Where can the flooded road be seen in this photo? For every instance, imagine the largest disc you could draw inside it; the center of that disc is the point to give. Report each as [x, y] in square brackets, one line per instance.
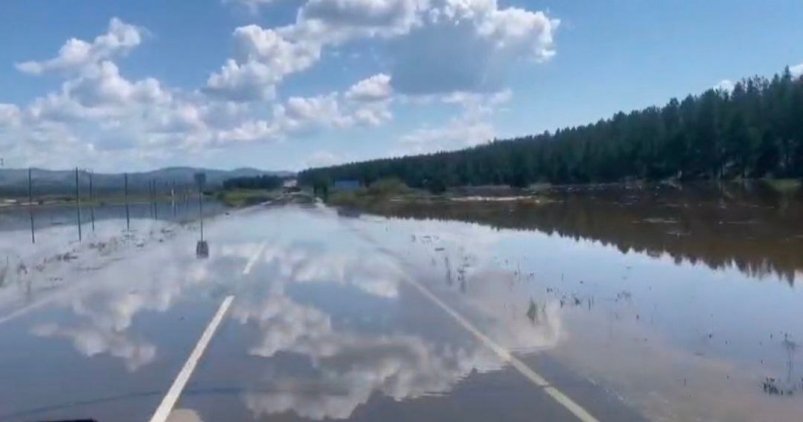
[326, 316]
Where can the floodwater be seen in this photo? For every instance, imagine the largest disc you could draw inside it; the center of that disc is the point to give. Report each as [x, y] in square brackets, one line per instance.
[586, 308]
[18, 218]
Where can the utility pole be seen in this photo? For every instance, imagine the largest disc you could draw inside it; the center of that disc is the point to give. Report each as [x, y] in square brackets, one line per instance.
[78, 204]
[201, 210]
[30, 203]
[150, 198]
[173, 198]
[202, 248]
[127, 215]
[91, 202]
[155, 203]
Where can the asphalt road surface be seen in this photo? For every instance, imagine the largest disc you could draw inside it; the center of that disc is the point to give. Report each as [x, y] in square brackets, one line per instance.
[296, 314]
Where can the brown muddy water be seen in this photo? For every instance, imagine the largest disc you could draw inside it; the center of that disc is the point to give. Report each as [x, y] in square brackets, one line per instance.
[671, 305]
[684, 301]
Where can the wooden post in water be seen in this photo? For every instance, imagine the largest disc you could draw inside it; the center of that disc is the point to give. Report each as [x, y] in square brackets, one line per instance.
[201, 248]
[155, 201]
[200, 180]
[201, 209]
[91, 202]
[30, 203]
[127, 215]
[153, 198]
[78, 205]
[150, 198]
[173, 198]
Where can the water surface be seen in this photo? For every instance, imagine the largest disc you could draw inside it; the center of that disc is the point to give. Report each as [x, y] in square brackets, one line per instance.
[606, 299]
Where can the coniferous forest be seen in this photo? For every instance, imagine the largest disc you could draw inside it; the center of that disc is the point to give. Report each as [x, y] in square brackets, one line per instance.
[753, 131]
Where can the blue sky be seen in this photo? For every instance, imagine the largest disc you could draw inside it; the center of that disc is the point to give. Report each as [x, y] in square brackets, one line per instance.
[285, 84]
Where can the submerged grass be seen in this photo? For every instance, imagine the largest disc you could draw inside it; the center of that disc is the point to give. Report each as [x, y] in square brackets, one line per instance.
[238, 198]
[784, 186]
[390, 195]
[374, 196]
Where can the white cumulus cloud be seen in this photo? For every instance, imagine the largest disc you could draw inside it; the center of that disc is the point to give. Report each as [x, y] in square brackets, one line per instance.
[436, 46]
[263, 59]
[445, 52]
[468, 45]
[323, 158]
[9, 115]
[75, 54]
[796, 70]
[346, 19]
[471, 127]
[725, 85]
[375, 88]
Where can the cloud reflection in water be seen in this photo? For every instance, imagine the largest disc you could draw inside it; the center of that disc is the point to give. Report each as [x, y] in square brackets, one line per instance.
[348, 365]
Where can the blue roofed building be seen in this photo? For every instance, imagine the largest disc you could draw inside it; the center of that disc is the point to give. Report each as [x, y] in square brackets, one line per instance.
[347, 185]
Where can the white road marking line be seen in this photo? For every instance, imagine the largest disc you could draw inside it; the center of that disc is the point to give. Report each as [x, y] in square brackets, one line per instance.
[500, 351]
[506, 356]
[254, 258]
[172, 396]
[24, 310]
[170, 399]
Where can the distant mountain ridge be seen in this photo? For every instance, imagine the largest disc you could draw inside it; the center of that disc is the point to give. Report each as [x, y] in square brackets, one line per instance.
[14, 182]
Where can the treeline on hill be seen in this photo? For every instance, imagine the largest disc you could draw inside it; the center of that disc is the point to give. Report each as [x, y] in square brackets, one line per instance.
[266, 181]
[754, 131]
